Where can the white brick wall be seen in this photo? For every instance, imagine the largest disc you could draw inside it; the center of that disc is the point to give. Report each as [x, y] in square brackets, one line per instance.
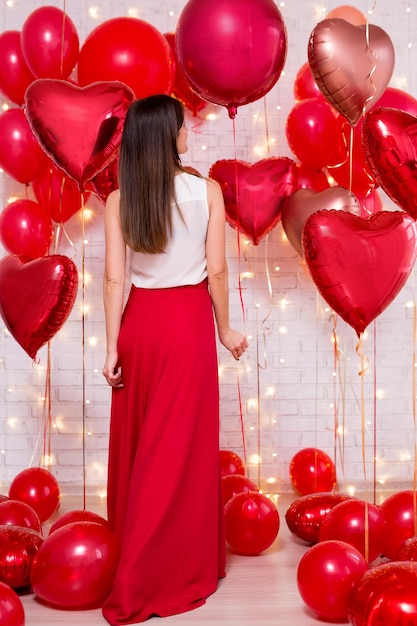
[289, 400]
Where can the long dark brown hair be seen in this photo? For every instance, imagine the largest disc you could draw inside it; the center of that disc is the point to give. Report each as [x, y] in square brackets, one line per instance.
[148, 162]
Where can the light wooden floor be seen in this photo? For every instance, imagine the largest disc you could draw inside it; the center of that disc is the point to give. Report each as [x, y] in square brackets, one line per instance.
[257, 591]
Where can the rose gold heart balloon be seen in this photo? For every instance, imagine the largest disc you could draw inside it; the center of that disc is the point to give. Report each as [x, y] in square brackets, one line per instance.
[359, 265]
[352, 65]
[304, 202]
[389, 138]
[80, 128]
[253, 194]
[36, 297]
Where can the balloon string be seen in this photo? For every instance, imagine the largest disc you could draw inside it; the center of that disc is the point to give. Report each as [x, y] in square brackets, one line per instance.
[258, 388]
[336, 367]
[242, 427]
[266, 127]
[375, 420]
[413, 402]
[83, 346]
[266, 329]
[363, 369]
[62, 38]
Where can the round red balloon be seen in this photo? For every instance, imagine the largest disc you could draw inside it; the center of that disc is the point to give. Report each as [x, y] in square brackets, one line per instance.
[232, 484]
[38, 488]
[15, 76]
[130, 51]
[306, 515]
[232, 52]
[251, 523]
[398, 511]
[326, 576]
[17, 513]
[78, 516]
[231, 463]
[26, 229]
[408, 550]
[359, 523]
[11, 608]
[50, 43]
[312, 471]
[75, 566]
[386, 594]
[304, 85]
[18, 547]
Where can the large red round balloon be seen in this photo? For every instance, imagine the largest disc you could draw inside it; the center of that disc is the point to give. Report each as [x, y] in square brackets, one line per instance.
[304, 85]
[15, 76]
[20, 153]
[11, 608]
[408, 550]
[231, 463]
[18, 547]
[251, 523]
[306, 515]
[345, 254]
[26, 229]
[232, 52]
[36, 297]
[130, 51]
[232, 484]
[38, 488]
[50, 43]
[399, 514]
[75, 566]
[18, 513]
[312, 471]
[386, 595]
[78, 516]
[359, 523]
[326, 576]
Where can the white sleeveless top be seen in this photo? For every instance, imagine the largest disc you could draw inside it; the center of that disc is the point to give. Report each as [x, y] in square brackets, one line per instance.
[184, 261]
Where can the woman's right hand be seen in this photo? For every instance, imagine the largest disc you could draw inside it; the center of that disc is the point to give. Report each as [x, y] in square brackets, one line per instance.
[112, 372]
[235, 342]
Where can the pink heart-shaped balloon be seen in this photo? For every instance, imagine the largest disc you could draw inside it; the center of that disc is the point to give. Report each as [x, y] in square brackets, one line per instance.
[389, 138]
[36, 297]
[352, 65]
[304, 202]
[80, 128]
[359, 265]
[253, 194]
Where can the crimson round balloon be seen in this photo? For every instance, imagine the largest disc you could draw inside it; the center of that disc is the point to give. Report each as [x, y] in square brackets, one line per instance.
[15, 76]
[394, 98]
[326, 576]
[251, 523]
[231, 463]
[311, 129]
[232, 484]
[75, 566]
[232, 52]
[312, 471]
[50, 43]
[398, 511]
[304, 202]
[57, 193]
[131, 51]
[305, 515]
[345, 254]
[311, 178]
[359, 523]
[36, 297]
[79, 128]
[18, 547]
[181, 88]
[304, 85]
[390, 144]
[78, 516]
[408, 550]
[386, 594]
[21, 156]
[352, 65]
[12, 612]
[39, 488]
[18, 513]
[254, 193]
[26, 229]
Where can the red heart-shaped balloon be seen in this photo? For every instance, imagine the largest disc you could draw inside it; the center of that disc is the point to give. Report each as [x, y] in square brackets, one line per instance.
[36, 297]
[389, 138]
[359, 265]
[305, 515]
[80, 128]
[304, 202]
[253, 194]
[352, 65]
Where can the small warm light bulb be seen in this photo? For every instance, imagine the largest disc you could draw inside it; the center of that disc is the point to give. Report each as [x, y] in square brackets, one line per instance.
[283, 330]
[255, 459]
[93, 341]
[94, 12]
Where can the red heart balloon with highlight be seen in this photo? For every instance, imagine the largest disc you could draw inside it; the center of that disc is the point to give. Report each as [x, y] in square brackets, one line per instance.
[389, 138]
[254, 194]
[304, 202]
[352, 70]
[80, 128]
[36, 297]
[359, 265]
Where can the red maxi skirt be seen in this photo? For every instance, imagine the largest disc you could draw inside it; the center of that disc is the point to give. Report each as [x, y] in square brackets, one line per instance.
[164, 499]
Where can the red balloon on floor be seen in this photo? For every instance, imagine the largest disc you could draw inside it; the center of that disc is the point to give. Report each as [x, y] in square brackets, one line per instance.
[398, 511]
[11, 607]
[18, 547]
[38, 488]
[312, 471]
[232, 484]
[78, 516]
[252, 523]
[17, 513]
[231, 463]
[305, 515]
